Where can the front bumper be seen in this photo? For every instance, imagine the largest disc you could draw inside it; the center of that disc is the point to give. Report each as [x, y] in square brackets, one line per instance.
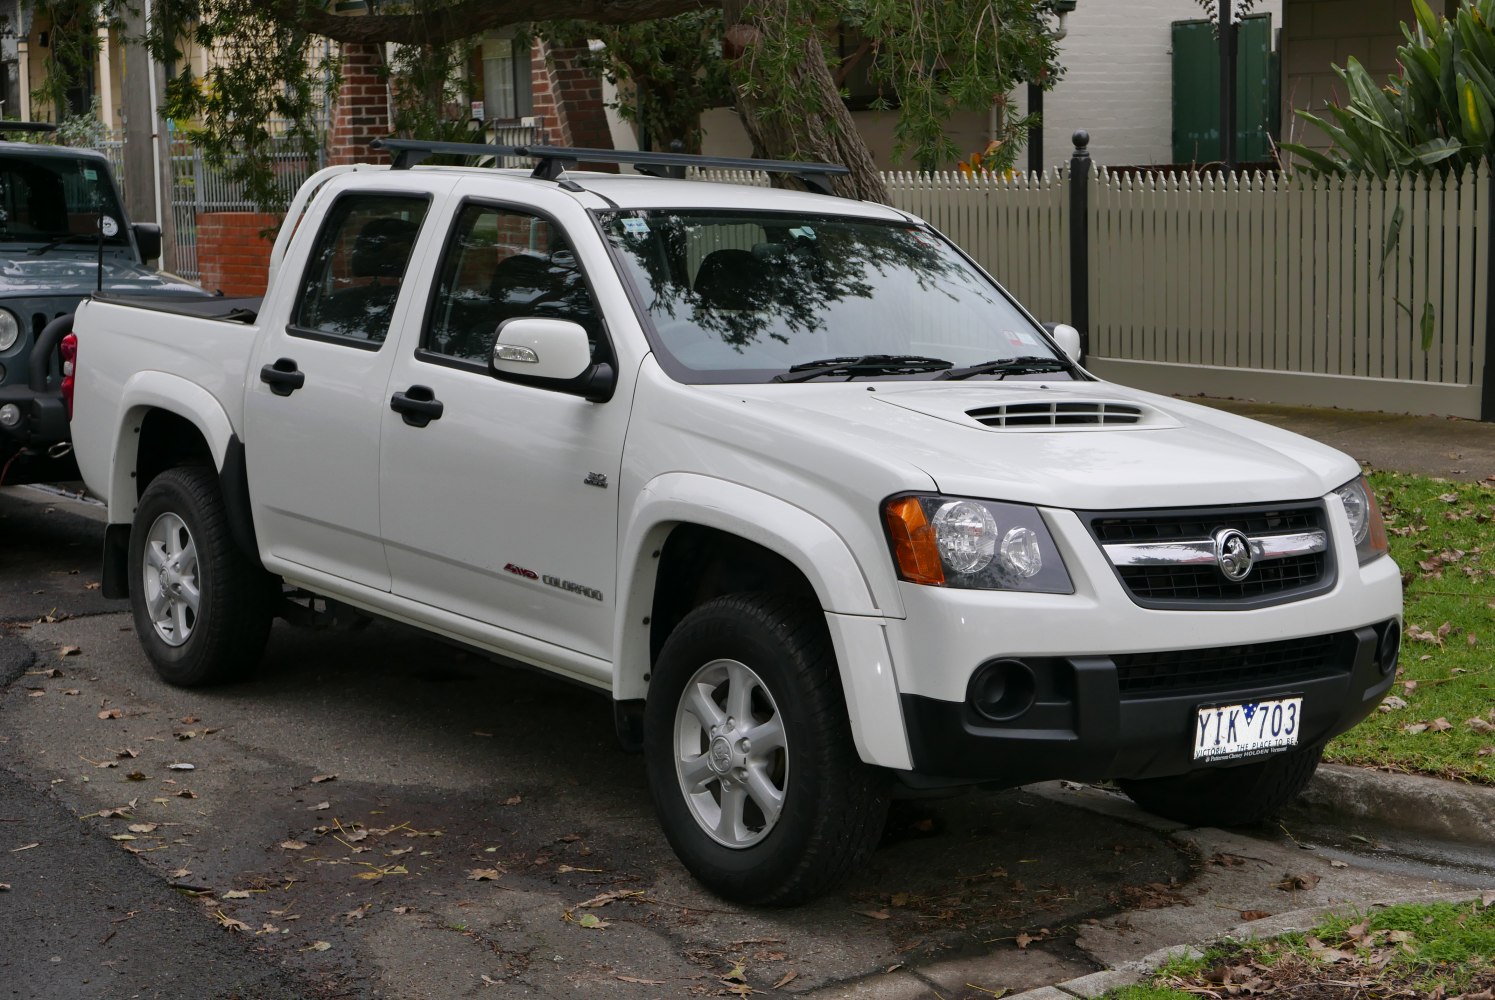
[1091, 722]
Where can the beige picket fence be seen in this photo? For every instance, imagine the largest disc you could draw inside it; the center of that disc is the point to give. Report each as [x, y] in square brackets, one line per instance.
[1269, 286]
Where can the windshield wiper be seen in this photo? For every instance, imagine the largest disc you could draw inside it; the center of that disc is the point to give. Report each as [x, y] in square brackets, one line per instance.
[59, 241]
[864, 364]
[1030, 364]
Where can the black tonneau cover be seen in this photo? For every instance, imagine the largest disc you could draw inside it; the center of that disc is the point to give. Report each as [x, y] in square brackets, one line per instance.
[218, 307]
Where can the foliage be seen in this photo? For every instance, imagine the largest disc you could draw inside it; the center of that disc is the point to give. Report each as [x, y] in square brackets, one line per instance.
[667, 71]
[426, 87]
[267, 77]
[85, 130]
[1439, 533]
[1436, 113]
[73, 48]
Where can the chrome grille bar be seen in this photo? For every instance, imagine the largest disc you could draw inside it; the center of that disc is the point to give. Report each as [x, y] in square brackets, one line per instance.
[1202, 552]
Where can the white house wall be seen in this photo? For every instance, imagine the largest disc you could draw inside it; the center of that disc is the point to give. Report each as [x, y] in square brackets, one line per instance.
[1118, 80]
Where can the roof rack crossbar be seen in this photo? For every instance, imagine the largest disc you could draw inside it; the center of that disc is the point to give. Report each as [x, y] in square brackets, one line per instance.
[6, 126]
[554, 160]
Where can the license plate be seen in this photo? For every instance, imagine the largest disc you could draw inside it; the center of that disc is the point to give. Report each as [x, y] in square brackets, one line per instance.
[1250, 729]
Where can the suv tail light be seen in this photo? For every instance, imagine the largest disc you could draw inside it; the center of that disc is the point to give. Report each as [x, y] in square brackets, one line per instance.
[69, 351]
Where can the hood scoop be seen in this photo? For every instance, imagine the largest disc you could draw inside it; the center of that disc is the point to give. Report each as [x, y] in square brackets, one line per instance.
[1062, 413]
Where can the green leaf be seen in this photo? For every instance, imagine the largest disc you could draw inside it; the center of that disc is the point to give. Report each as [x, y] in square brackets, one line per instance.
[1429, 324]
[1436, 151]
[1393, 237]
[1316, 160]
[1475, 113]
[1426, 19]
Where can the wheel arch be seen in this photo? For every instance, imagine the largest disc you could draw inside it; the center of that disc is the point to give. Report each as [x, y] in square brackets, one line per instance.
[695, 538]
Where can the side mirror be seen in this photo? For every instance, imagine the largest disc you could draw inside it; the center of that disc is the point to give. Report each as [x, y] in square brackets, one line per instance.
[148, 239]
[1068, 339]
[551, 354]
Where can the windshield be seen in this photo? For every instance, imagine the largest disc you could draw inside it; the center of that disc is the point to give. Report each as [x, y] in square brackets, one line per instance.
[754, 297]
[47, 198]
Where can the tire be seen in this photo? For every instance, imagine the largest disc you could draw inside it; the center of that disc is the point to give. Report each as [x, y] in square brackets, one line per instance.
[202, 607]
[768, 658]
[1236, 796]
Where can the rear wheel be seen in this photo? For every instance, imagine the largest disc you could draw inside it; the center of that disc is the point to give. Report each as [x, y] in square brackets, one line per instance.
[1228, 796]
[202, 607]
[749, 753]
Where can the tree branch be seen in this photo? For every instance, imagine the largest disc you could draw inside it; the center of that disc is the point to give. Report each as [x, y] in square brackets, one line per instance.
[441, 25]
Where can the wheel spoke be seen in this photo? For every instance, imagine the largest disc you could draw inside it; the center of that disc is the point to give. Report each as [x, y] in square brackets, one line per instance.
[740, 684]
[158, 605]
[190, 595]
[179, 611]
[769, 799]
[729, 824]
[186, 560]
[699, 704]
[155, 554]
[695, 772]
[765, 738]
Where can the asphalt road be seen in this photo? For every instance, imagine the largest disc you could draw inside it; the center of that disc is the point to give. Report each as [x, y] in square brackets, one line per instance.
[380, 815]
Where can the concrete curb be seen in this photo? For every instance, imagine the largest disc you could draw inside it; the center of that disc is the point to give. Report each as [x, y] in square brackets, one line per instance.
[1425, 807]
[1098, 983]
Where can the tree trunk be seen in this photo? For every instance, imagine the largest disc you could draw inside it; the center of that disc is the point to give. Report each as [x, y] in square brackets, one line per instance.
[788, 100]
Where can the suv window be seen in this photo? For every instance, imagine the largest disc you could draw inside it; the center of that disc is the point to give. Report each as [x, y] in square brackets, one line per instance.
[48, 197]
[357, 265]
[502, 264]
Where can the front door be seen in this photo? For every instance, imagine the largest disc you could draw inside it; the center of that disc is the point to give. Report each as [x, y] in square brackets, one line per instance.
[314, 405]
[504, 507]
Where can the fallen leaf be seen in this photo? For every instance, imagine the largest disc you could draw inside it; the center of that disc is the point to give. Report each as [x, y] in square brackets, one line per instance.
[1440, 724]
[1488, 898]
[317, 779]
[229, 923]
[126, 753]
[319, 807]
[737, 975]
[142, 827]
[111, 713]
[512, 800]
[874, 914]
[293, 845]
[1480, 725]
[610, 896]
[180, 873]
[185, 734]
[484, 874]
[23, 847]
[4, 887]
[1293, 883]
[236, 894]
[1415, 728]
[786, 979]
[72, 692]
[641, 982]
[123, 836]
[592, 922]
[69, 651]
[1024, 939]
[137, 776]
[1336, 863]
[181, 767]
[1255, 914]
[402, 909]
[319, 946]
[186, 793]
[91, 585]
[1392, 703]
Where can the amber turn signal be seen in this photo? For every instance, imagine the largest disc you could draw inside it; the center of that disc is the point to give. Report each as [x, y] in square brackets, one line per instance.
[914, 547]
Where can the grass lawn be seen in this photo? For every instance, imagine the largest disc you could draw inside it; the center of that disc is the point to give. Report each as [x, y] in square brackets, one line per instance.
[1441, 720]
[1442, 950]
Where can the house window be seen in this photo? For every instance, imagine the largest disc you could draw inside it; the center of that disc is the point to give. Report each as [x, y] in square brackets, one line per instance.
[506, 79]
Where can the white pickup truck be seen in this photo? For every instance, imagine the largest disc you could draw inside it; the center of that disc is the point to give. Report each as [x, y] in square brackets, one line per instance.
[820, 506]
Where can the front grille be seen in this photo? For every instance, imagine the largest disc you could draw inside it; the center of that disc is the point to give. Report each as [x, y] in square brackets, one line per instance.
[1074, 414]
[1204, 586]
[1155, 675]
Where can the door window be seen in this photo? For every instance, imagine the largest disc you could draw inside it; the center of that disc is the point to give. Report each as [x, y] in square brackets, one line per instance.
[500, 264]
[353, 279]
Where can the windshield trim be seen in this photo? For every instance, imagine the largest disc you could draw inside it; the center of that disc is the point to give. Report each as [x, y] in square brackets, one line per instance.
[684, 374]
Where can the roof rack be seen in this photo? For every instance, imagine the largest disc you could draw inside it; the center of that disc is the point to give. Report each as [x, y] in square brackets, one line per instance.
[27, 127]
[553, 160]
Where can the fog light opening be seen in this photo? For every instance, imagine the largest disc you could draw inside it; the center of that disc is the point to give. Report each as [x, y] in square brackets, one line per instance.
[1390, 648]
[1002, 690]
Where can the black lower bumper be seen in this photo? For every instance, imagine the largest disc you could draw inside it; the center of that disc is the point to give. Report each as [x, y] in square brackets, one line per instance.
[34, 446]
[1091, 719]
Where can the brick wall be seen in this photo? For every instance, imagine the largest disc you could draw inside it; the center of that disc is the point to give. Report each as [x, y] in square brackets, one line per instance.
[361, 113]
[232, 255]
[1319, 34]
[569, 97]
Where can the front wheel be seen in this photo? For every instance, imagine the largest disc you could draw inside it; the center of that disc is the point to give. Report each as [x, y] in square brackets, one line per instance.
[202, 607]
[1228, 796]
[749, 753]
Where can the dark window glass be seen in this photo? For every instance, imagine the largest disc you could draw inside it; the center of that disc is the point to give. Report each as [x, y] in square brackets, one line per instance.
[45, 198]
[353, 278]
[500, 265]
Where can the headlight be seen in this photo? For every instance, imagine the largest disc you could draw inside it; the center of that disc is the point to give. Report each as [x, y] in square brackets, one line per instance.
[10, 329]
[1366, 526]
[973, 544]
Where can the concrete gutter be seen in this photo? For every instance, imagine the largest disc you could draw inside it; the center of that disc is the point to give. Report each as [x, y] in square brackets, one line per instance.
[1434, 808]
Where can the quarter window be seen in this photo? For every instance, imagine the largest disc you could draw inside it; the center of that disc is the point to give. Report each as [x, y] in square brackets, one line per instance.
[500, 265]
[357, 266]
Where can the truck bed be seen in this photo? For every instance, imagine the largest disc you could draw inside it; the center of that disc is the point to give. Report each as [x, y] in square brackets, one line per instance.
[242, 309]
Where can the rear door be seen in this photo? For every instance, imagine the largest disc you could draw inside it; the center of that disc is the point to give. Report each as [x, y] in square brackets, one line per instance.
[315, 398]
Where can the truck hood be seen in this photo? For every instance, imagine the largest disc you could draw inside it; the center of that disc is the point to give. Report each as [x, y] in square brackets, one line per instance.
[68, 273]
[1081, 445]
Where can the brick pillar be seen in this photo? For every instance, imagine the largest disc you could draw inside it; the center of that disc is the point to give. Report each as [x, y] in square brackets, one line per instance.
[361, 113]
[569, 96]
[232, 256]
